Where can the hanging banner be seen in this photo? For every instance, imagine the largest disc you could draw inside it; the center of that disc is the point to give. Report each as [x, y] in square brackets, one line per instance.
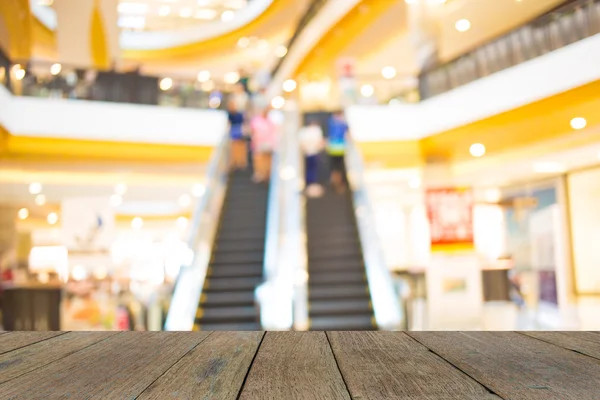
[450, 213]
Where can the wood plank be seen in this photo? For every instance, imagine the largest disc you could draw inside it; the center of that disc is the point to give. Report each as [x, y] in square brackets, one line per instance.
[294, 365]
[587, 343]
[26, 359]
[120, 367]
[14, 340]
[215, 369]
[515, 366]
[392, 365]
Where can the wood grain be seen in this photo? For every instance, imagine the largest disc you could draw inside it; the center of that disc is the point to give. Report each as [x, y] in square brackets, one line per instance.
[587, 343]
[515, 366]
[26, 359]
[120, 367]
[14, 340]
[215, 369]
[392, 365]
[294, 365]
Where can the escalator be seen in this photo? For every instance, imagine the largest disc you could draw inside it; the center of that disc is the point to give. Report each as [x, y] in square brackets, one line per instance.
[338, 292]
[236, 266]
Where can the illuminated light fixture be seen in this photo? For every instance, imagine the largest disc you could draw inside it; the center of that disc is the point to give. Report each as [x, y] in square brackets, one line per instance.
[206, 14]
[131, 22]
[79, 272]
[198, 190]
[185, 200]
[367, 90]
[23, 213]
[289, 85]
[20, 74]
[493, 195]
[116, 200]
[132, 8]
[549, 167]
[227, 16]
[263, 44]
[231, 77]
[40, 199]
[388, 72]
[185, 12]
[277, 102]
[208, 86]
[163, 11]
[182, 222]
[55, 69]
[137, 223]
[120, 189]
[52, 218]
[46, 3]
[280, 51]
[165, 84]
[243, 42]
[214, 102]
[35, 188]
[578, 123]
[203, 76]
[235, 4]
[477, 150]
[462, 25]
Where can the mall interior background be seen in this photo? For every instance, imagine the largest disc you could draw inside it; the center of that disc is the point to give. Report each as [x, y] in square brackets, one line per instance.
[113, 156]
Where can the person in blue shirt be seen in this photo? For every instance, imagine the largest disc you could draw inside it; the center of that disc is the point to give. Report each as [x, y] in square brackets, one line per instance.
[336, 148]
[239, 146]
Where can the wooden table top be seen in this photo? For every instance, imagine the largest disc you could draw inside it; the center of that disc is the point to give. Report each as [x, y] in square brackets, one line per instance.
[300, 365]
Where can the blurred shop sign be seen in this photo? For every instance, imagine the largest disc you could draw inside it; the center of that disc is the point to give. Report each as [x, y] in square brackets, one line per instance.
[88, 224]
[450, 214]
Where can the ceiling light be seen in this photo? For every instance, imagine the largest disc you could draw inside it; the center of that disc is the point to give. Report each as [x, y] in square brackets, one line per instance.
[23, 213]
[55, 69]
[231, 77]
[493, 195]
[185, 200]
[116, 200]
[40, 199]
[367, 90]
[79, 273]
[388, 72]
[185, 12]
[182, 222]
[20, 74]
[131, 22]
[163, 11]
[132, 8]
[205, 14]
[289, 85]
[578, 123]
[281, 51]
[477, 149]
[235, 4]
[227, 16]
[462, 25]
[548, 167]
[277, 102]
[35, 188]
[203, 76]
[137, 223]
[263, 44]
[166, 84]
[52, 218]
[198, 190]
[120, 189]
[243, 42]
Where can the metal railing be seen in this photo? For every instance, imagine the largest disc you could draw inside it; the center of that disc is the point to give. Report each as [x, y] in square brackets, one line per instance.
[570, 23]
[188, 288]
[387, 305]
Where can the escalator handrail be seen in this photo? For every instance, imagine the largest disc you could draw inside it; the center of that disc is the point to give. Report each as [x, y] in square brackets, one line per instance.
[387, 305]
[188, 287]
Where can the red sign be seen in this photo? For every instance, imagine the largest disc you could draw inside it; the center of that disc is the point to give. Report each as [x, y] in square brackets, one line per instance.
[450, 213]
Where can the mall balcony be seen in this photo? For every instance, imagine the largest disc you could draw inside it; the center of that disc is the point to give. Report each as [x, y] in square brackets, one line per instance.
[468, 205]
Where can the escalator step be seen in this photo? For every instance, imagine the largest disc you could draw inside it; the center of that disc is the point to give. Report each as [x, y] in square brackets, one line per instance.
[223, 299]
[335, 253]
[231, 326]
[233, 271]
[355, 291]
[231, 284]
[226, 315]
[336, 265]
[339, 307]
[336, 278]
[342, 322]
[237, 258]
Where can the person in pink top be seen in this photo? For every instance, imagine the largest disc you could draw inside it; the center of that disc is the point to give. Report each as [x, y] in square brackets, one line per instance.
[264, 137]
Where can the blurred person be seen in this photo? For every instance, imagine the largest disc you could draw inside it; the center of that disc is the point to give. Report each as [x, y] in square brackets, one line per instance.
[240, 96]
[336, 148]
[311, 144]
[238, 143]
[264, 137]
[244, 80]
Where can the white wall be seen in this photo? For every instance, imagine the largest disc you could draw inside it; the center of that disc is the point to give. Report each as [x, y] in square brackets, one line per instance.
[548, 75]
[103, 121]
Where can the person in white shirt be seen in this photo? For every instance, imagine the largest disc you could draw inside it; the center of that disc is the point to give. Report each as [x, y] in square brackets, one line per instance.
[311, 144]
